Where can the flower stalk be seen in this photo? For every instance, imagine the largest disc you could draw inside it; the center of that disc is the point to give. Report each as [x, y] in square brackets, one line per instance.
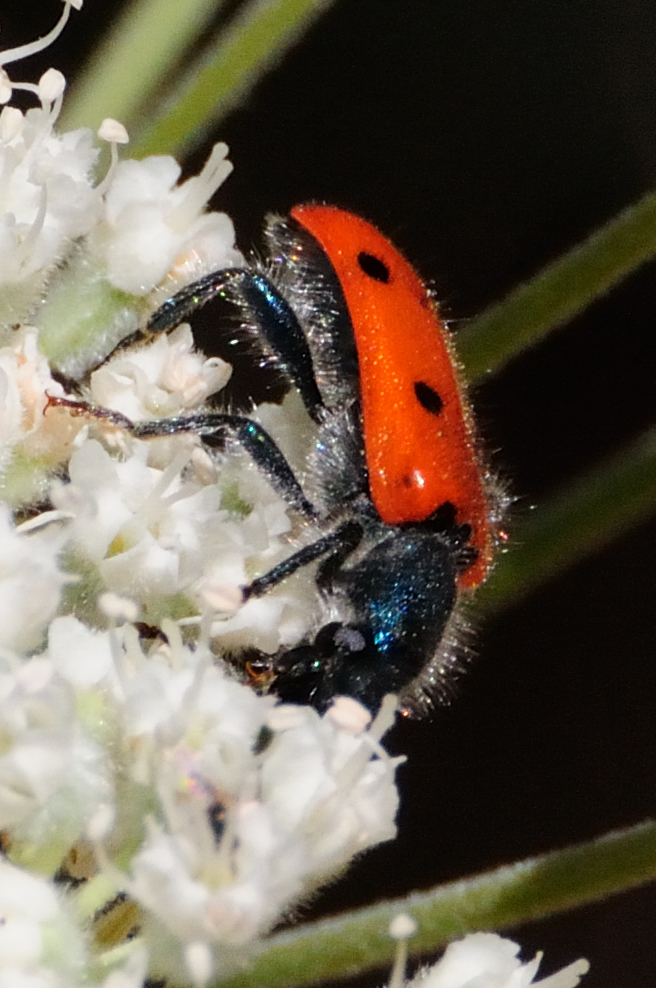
[560, 291]
[358, 942]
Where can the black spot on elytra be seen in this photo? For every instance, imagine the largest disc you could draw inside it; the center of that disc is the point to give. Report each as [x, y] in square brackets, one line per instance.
[374, 267]
[428, 398]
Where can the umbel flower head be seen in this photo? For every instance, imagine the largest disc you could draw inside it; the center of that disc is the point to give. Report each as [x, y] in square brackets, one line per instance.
[139, 778]
[133, 760]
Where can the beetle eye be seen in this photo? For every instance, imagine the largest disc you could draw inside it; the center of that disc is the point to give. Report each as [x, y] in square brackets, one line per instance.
[374, 267]
[351, 639]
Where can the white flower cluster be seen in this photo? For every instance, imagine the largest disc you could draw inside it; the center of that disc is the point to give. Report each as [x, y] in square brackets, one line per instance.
[133, 762]
[233, 807]
[137, 235]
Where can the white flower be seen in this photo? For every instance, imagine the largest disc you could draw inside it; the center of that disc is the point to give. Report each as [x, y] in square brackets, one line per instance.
[146, 238]
[257, 804]
[242, 832]
[332, 792]
[126, 742]
[155, 528]
[485, 960]
[47, 191]
[143, 225]
[141, 526]
[80, 655]
[53, 774]
[99, 248]
[25, 383]
[164, 378]
[153, 227]
[30, 582]
[41, 946]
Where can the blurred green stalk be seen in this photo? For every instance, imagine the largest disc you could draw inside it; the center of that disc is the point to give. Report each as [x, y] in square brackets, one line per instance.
[253, 43]
[621, 492]
[133, 75]
[350, 944]
[560, 291]
[581, 519]
[134, 57]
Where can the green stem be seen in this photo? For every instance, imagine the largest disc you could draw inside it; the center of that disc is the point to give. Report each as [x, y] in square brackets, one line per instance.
[356, 942]
[563, 289]
[593, 511]
[133, 59]
[256, 40]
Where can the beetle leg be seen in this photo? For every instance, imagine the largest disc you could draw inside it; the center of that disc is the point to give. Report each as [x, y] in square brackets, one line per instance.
[268, 309]
[337, 546]
[215, 426]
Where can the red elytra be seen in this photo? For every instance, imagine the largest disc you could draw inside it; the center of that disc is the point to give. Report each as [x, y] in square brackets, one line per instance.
[418, 457]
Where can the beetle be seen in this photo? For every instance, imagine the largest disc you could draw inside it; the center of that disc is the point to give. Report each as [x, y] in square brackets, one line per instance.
[408, 513]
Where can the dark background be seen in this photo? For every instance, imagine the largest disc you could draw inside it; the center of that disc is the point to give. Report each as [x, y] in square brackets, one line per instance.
[485, 138]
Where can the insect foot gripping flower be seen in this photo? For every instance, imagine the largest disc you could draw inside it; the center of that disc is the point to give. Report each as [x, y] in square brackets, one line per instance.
[149, 236]
[85, 261]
